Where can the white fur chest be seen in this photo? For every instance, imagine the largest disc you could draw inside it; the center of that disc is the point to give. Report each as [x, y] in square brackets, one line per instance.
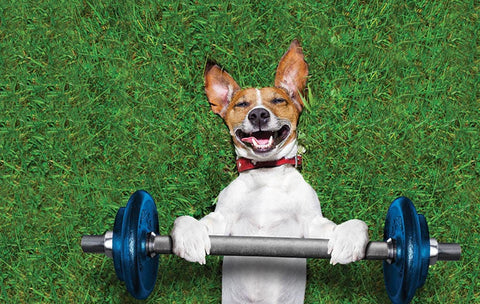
[264, 202]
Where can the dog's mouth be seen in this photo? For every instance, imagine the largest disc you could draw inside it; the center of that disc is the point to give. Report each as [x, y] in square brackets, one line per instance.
[263, 141]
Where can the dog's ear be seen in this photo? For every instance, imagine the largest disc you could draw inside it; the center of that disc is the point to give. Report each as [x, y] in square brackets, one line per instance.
[220, 88]
[292, 72]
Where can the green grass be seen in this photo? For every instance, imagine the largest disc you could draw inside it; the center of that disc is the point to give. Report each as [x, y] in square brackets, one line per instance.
[101, 99]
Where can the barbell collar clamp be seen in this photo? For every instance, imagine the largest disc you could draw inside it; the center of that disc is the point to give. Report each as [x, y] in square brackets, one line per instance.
[433, 251]
[391, 250]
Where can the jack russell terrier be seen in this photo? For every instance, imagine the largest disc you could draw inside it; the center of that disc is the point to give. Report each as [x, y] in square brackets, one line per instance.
[269, 197]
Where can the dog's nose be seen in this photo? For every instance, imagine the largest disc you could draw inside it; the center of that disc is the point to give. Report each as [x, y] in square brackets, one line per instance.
[259, 117]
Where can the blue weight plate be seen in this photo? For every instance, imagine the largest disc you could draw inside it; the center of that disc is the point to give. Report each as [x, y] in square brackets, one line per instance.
[408, 271]
[425, 250]
[131, 228]
[117, 243]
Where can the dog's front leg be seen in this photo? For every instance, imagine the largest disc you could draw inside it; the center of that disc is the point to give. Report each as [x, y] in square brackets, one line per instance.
[347, 241]
[191, 237]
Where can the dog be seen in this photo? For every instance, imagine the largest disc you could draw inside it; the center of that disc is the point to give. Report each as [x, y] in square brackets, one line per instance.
[269, 197]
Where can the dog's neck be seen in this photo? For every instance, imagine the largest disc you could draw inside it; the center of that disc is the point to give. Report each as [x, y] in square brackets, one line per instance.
[287, 156]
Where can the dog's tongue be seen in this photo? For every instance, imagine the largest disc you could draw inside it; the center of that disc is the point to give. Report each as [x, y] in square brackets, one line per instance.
[258, 141]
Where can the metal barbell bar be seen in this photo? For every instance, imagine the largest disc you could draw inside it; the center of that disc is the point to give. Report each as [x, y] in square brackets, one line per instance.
[134, 245]
[268, 247]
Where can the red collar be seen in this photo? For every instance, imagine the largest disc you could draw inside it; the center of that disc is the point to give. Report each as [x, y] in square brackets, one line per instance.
[244, 164]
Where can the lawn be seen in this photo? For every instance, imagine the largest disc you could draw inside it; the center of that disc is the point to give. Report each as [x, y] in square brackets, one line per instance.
[101, 98]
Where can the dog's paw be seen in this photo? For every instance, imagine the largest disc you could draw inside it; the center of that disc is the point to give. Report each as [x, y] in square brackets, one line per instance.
[190, 239]
[348, 242]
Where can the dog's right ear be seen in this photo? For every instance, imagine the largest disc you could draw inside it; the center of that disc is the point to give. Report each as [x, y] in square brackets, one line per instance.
[220, 88]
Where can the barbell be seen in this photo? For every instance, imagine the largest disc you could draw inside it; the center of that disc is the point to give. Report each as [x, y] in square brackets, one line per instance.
[134, 245]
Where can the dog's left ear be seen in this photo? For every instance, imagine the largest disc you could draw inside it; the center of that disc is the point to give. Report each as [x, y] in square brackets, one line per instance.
[219, 87]
[292, 72]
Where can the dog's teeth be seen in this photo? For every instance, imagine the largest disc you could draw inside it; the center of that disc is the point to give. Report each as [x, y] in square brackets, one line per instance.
[258, 145]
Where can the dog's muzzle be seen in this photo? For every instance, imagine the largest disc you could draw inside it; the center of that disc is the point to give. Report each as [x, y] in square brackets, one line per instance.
[263, 141]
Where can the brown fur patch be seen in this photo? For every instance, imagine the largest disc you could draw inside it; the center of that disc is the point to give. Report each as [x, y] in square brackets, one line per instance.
[285, 109]
[236, 111]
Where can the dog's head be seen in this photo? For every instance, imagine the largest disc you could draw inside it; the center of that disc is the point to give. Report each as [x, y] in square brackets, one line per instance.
[262, 122]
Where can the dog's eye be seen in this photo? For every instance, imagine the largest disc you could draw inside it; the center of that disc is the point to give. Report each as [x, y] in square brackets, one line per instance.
[242, 104]
[278, 101]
